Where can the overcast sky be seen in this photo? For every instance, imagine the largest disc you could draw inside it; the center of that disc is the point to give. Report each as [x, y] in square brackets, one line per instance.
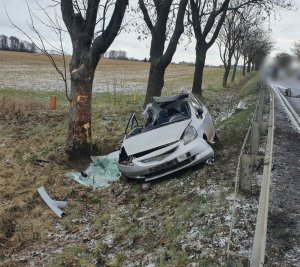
[285, 30]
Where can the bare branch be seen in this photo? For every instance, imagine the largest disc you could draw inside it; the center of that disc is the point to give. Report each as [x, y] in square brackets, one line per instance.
[146, 14]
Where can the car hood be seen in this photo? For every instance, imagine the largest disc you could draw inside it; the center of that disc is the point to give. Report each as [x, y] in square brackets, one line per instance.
[155, 138]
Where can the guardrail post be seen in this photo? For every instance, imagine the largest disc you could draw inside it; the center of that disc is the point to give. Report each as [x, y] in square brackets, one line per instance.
[263, 128]
[246, 172]
[248, 164]
[254, 138]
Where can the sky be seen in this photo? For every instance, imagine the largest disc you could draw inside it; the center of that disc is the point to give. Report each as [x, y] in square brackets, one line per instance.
[285, 30]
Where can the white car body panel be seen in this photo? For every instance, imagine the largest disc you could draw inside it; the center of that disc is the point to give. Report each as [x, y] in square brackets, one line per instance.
[155, 138]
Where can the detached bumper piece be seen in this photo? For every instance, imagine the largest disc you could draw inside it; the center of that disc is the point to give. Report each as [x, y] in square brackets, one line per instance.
[52, 204]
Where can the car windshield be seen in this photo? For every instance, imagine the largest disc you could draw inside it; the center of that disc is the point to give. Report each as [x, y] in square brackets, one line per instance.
[162, 112]
[167, 112]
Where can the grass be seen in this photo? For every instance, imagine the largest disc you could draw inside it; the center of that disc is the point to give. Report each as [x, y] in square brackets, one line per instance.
[77, 255]
[146, 226]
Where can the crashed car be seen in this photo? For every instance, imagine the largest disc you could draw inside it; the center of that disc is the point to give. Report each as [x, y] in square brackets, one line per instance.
[177, 134]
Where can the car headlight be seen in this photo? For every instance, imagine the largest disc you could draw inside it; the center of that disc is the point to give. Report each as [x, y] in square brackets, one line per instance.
[189, 135]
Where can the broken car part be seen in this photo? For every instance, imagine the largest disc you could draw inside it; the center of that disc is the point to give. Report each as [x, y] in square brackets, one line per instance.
[102, 171]
[52, 204]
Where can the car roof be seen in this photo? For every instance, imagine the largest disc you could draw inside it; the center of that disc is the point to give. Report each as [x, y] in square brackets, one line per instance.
[170, 98]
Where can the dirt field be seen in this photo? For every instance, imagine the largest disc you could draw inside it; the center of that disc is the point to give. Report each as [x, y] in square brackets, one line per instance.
[35, 72]
[180, 220]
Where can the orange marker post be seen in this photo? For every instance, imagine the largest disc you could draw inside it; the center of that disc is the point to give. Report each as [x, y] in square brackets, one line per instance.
[53, 102]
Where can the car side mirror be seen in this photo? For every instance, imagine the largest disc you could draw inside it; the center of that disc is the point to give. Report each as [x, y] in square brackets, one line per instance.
[200, 112]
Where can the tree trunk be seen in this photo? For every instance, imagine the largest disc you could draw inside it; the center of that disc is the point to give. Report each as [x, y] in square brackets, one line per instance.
[249, 66]
[155, 81]
[234, 69]
[257, 66]
[226, 74]
[79, 139]
[244, 67]
[199, 69]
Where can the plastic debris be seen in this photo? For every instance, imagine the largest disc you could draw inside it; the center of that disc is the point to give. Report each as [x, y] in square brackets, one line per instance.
[52, 204]
[241, 106]
[101, 173]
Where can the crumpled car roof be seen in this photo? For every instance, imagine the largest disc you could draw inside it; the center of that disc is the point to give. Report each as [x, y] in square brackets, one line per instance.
[162, 99]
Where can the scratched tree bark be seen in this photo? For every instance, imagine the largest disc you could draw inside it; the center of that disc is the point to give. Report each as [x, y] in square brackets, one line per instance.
[88, 46]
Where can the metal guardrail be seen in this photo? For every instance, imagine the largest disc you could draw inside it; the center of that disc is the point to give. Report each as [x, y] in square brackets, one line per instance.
[246, 161]
[259, 244]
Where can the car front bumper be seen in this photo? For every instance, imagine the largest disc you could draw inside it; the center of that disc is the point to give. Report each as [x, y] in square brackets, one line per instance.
[178, 156]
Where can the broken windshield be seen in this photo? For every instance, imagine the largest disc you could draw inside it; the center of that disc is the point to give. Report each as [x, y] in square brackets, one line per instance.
[164, 113]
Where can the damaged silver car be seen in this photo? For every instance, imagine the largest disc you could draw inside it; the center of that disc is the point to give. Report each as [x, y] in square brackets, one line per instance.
[177, 134]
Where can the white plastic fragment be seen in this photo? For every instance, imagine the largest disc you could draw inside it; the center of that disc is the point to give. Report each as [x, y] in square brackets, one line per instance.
[52, 204]
[241, 106]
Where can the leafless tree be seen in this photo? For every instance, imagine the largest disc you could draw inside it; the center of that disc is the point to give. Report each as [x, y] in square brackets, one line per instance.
[207, 18]
[228, 40]
[263, 47]
[39, 42]
[156, 14]
[296, 48]
[257, 46]
[236, 56]
[89, 44]
[233, 36]
[92, 26]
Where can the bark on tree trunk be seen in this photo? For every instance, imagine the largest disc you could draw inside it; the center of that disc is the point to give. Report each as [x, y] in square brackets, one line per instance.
[226, 74]
[88, 46]
[79, 139]
[249, 66]
[234, 69]
[155, 82]
[244, 67]
[199, 69]
[252, 67]
[257, 66]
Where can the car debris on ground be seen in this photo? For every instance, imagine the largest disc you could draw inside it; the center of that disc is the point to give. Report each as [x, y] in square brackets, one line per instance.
[54, 205]
[241, 106]
[101, 173]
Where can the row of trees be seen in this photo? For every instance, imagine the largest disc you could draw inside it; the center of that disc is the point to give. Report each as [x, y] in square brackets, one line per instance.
[243, 36]
[296, 48]
[94, 24]
[116, 54]
[166, 22]
[12, 43]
